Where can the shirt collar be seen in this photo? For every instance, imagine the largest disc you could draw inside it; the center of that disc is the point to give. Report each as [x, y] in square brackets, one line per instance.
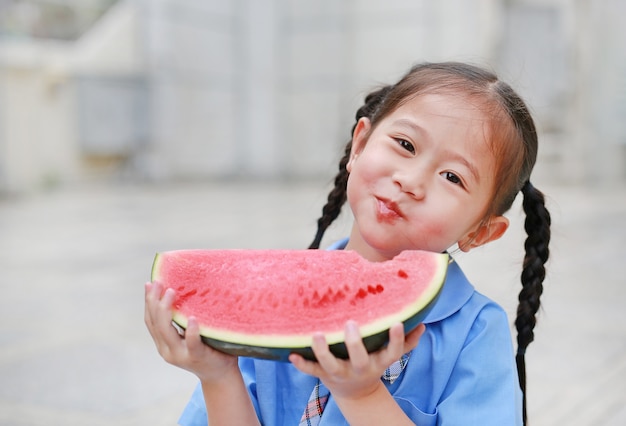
[455, 293]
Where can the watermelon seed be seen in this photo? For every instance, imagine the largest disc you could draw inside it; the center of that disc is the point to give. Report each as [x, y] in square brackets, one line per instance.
[361, 294]
[324, 300]
[187, 295]
[375, 290]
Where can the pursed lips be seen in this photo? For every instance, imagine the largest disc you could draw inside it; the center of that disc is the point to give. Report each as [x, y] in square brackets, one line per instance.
[388, 210]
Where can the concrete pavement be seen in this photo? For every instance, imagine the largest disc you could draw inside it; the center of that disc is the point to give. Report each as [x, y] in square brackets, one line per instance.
[75, 351]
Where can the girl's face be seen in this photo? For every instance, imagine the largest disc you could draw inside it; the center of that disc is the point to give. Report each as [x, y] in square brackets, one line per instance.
[422, 180]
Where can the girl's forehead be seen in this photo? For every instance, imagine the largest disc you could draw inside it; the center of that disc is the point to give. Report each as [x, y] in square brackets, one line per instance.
[445, 115]
[454, 105]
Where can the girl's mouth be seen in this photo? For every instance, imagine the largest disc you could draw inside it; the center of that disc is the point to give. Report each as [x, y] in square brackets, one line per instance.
[387, 211]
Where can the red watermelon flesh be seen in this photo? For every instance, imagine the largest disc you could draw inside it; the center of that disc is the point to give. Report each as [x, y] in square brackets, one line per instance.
[268, 303]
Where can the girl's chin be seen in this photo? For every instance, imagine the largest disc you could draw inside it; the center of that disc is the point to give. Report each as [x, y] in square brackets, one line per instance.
[380, 249]
[389, 246]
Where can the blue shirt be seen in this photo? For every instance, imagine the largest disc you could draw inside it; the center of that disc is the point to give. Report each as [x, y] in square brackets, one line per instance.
[462, 372]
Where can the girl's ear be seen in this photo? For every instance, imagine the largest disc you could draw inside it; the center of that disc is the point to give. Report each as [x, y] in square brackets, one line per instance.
[486, 232]
[359, 138]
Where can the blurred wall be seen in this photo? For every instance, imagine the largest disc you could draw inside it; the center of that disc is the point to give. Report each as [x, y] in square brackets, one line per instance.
[196, 89]
[35, 126]
[64, 110]
[269, 88]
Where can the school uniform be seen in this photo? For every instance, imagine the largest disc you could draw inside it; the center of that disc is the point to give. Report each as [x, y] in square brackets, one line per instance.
[461, 373]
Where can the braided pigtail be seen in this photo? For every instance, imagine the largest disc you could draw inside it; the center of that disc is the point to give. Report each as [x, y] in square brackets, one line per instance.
[537, 227]
[336, 199]
[337, 196]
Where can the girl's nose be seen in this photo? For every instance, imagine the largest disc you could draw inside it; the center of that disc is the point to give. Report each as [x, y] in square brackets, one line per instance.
[411, 182]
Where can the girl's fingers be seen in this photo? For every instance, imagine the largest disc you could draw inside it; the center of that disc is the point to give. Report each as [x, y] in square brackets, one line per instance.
[357, 353]
[152, 296]
[167, 300]
[164, 305]
[153, 299]
[399, 343]
[155, 290]
[412, 339]
[158, 316]
[304, 365]
[325, 358]
[192, 336]
[146, 312]
[396, 340]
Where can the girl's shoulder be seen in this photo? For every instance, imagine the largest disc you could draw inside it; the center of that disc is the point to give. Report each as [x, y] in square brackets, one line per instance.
[462, 308]
[457, 294]
[462, 318]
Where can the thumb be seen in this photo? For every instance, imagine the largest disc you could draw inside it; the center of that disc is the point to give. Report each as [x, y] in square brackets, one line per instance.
[413, 337]
[192, 335]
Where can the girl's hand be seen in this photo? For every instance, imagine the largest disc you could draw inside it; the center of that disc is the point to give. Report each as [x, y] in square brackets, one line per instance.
[359, 375]
[188, 352]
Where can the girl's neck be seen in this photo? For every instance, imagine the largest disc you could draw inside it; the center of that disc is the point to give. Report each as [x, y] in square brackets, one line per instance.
[358, 244]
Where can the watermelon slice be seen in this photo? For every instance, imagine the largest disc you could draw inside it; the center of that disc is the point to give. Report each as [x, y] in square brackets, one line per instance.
[268, 303]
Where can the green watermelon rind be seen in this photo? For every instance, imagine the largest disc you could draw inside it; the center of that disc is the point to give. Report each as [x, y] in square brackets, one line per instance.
[372, 342]
[279, 347]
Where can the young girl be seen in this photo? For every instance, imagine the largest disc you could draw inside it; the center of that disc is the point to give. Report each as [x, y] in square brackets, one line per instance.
[434, 162]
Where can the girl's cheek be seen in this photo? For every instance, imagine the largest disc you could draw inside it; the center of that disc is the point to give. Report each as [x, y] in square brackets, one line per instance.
[435, 236]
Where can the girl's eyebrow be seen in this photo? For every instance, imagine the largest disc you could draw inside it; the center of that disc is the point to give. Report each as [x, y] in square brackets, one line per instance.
[411, 124]
[454, 156]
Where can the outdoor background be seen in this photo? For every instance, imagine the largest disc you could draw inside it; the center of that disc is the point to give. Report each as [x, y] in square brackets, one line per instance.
[135, 126]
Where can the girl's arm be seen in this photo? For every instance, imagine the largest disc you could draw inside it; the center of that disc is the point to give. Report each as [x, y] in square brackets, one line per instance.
[225, 395]
[227, 401]
[355, 383]
[376, 408]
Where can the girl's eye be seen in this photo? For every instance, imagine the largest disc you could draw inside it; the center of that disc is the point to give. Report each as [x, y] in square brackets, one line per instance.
[452, 178]
[406, 145]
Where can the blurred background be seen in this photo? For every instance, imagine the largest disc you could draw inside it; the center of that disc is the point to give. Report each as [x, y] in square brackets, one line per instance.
[134, 126]
[163, 89]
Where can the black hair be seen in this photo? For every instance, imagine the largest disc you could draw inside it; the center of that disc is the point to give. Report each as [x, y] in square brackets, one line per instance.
[516, 149]
[337, 196]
